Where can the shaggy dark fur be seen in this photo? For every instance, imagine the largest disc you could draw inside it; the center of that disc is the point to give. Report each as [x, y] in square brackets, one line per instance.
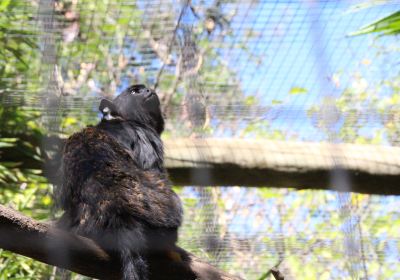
[115, 188]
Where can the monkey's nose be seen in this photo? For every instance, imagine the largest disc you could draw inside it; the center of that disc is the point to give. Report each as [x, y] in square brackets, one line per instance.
[147, 93]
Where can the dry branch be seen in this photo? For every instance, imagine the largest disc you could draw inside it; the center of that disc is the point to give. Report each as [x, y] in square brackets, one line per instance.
[42, 242]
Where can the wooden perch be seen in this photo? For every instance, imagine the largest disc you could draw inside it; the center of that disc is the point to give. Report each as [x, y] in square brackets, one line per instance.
[369, 169]
[42, 242]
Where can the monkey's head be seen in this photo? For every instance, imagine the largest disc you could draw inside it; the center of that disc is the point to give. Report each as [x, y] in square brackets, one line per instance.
[136, 104]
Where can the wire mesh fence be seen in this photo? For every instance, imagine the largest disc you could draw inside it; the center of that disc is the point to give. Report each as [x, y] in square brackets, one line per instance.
[280, 70]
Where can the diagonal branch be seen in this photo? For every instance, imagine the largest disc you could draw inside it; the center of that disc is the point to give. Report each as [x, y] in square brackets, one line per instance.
[43, 242]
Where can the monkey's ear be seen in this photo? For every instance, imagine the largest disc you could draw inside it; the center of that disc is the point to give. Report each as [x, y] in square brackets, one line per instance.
[108, 108]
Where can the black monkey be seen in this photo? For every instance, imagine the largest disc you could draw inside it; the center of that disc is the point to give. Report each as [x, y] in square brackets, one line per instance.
[115, 188]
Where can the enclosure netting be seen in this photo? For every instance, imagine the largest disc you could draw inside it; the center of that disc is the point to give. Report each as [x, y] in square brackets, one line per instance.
[280, 70]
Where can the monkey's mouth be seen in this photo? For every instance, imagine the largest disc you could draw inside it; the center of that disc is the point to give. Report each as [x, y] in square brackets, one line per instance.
[148, 96]
[151, 98]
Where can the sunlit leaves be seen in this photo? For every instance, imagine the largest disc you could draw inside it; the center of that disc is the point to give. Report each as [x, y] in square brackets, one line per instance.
[15, 43]
[20, 188]
[297, 90]
[389, 25]
[262, 129]
[7, 142]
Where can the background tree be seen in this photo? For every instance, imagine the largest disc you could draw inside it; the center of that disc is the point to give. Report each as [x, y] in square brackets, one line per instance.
[207, 59]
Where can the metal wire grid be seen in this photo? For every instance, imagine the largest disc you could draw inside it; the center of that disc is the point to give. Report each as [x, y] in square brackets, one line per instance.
[238, 235]
[252, 229]
[283, 46]
[281, 52]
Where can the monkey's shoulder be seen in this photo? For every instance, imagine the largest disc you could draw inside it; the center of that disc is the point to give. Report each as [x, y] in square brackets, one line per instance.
[89, 135]
[94, 141]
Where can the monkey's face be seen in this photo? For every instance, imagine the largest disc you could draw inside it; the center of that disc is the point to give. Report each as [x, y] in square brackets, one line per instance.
[138, 104]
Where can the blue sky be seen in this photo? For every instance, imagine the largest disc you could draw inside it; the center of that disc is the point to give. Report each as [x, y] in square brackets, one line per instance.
[304, 44]
[297, 43]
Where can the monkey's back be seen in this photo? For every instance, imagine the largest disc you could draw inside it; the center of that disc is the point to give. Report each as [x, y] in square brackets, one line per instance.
[108, 198]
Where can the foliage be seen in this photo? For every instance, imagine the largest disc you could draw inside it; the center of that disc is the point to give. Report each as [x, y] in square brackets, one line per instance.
[388, 25]
[365, 112]
[217, 220]
[23, 189]
[88, 64]
[178, 60]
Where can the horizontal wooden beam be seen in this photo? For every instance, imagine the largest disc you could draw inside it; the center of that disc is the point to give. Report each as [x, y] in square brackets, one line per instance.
[369, 169]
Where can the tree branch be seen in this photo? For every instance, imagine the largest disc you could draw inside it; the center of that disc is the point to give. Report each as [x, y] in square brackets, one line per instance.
[43, 242]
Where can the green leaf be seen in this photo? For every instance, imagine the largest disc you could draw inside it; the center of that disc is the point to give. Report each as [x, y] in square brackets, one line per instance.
[10, 164]
[18, 54]
[265, 275]
[276, 102]
[4, 4]
[7, 142]
[250, 100]
[297, 90]
[388, 25]
[6, 145]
